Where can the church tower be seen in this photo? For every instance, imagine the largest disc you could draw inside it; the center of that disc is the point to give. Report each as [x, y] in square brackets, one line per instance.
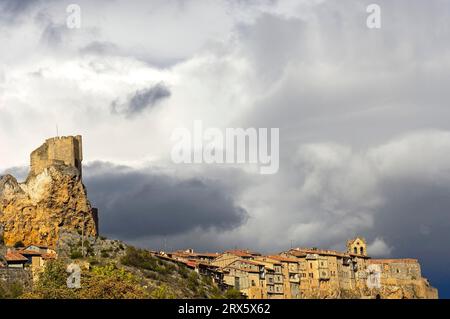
[357, 246]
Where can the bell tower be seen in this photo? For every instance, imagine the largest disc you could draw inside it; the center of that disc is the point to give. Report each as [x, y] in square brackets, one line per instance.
[357, 246]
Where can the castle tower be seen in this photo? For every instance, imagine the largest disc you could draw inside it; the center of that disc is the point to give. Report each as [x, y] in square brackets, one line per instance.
[65, 150]
[357, 246]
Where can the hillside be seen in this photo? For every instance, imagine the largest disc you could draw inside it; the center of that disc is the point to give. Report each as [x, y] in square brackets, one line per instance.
[112, 269]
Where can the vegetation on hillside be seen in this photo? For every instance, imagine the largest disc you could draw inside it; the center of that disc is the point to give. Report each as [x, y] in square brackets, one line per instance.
[101, 282]
[136, 274]
[10, 290]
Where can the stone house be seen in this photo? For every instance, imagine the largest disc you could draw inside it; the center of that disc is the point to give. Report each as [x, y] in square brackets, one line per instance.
[15, 260]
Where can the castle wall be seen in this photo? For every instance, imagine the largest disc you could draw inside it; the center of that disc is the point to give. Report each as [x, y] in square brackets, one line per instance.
[11, 275]
[398, 269]
[58, 150]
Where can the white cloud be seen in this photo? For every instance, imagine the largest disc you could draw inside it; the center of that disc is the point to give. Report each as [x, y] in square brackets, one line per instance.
[378, 248]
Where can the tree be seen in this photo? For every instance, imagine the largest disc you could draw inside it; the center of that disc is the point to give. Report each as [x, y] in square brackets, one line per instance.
[18, 244]
[233, 293]
[110, 282]
[105, 282]
[10, 290]
[52, 283]
[162, 292]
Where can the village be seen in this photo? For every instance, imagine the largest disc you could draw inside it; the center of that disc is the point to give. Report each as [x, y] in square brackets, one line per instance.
[301, 273]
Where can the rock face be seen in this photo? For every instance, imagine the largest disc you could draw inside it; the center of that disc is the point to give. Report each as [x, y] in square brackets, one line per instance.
[49, 202]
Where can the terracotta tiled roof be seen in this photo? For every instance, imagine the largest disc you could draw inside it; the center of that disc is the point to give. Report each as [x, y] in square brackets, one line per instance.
[285, 259]
[212, 255]
[301, 252]
[48, 256]
[14, 256]
[27, 252]
[194, 254]
[240, 253]
[392, 261]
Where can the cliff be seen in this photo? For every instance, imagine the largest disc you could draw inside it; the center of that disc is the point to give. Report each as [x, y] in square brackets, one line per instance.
[50, 201]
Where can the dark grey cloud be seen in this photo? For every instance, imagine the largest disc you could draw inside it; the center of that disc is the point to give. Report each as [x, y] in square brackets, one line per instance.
[141, 100]
[415, 220]
[14, 8]
[100, 48]
[141, 203]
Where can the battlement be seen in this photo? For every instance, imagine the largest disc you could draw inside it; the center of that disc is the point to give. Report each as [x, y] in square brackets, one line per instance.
[65, 150]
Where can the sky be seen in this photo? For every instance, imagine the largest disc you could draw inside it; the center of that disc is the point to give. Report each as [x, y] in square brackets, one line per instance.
[362, 115]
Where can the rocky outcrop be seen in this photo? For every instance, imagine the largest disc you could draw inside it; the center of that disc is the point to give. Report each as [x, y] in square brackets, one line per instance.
[395, 289]
[35, 212]
[407, 289]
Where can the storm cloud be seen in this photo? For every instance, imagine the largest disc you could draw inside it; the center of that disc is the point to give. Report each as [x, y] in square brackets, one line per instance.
[141, 203]
[141, 100]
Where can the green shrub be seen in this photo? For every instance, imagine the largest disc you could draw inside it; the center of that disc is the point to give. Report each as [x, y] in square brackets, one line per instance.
[10, 290]
[193, 281]
[216, 293]
[162, 292]
[140, 258]
[207, 280]
[152, 275]
[183, 271]
[233, 293]
[18, 244]
[202, 293]
[93, 261]
[76, 254]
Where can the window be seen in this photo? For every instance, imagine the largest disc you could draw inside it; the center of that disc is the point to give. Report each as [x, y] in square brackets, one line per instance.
[310, 265]
[355, 250]
[361, 250]
[311, 275]
[253, 283]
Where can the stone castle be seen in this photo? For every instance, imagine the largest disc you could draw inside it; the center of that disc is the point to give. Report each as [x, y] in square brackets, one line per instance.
[52, 200]
[65, 150]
